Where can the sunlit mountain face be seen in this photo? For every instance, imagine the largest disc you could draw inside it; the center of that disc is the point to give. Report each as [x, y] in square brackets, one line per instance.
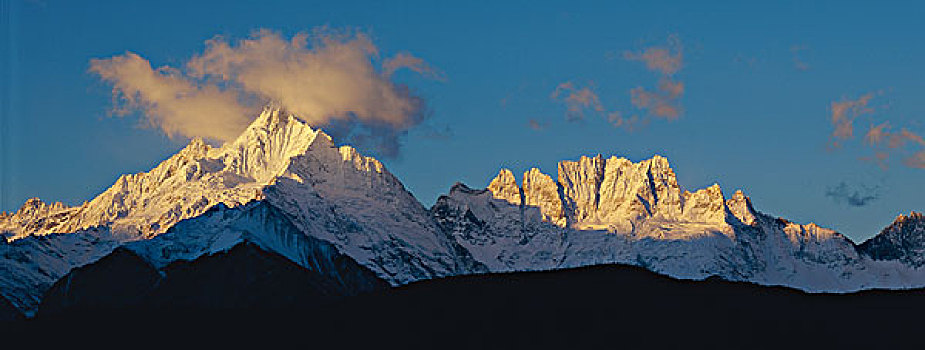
[667, 175]
[284, 189]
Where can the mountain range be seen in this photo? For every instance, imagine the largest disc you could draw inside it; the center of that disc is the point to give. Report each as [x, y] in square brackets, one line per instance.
[284, 201]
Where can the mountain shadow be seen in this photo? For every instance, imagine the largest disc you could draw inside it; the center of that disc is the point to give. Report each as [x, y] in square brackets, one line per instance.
[612, 306]
[243, 279]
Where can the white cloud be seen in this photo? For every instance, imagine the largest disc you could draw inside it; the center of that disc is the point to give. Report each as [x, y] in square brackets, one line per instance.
[172, 102]
[325, 78]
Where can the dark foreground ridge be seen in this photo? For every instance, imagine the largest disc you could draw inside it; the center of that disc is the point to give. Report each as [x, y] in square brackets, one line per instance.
[610, 305]
[8, 312]
[614, 306]
[245, 277]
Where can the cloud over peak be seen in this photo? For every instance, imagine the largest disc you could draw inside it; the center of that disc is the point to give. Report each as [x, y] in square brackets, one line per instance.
[325, 78]
[179, 106]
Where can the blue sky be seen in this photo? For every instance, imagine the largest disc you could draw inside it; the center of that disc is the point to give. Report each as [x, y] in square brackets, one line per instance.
[759, 83]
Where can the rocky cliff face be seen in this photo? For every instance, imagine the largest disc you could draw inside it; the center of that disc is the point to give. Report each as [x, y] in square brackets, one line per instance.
[614, 210]
[541, 192]
[903, 240]
[35, 216]
[615, 195]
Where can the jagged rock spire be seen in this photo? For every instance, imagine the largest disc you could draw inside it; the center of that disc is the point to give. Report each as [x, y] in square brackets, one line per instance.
[505, 187]
[615, 192]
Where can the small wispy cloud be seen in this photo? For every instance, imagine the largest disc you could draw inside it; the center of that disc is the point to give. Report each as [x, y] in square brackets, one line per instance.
[880, 137]
[666, 60]
[415, 64]
[904, 141]
[578, 100]
[855, 196]
[843, 114]
[664, 100]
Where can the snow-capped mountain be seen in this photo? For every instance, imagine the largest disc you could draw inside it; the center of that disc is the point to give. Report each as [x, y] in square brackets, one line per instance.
[616, 211]
[329, 193]
[288, 189]
[903, 240]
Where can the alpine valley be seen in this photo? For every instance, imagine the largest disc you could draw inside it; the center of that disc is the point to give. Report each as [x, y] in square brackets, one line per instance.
[283, 207]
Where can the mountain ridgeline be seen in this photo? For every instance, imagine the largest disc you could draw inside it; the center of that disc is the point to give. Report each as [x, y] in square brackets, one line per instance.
[282, 208]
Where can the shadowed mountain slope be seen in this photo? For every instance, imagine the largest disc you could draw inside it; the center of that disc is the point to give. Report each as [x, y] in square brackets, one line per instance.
[245, 277]
[613, 306]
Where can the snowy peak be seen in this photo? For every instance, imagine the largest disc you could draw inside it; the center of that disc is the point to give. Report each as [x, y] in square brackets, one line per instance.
[611, 191]
[34, 215]
[539, 191]
[504, 186]
[327, 192]
[291, 190]
[616, 194]
[740, 206]
[182, 186]
[265, 148]
[542, 192]
[35, 207]
[903, 240]
[196, 149]
[581, 184]
[913, 219]
[615, 210]
[706, 205]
